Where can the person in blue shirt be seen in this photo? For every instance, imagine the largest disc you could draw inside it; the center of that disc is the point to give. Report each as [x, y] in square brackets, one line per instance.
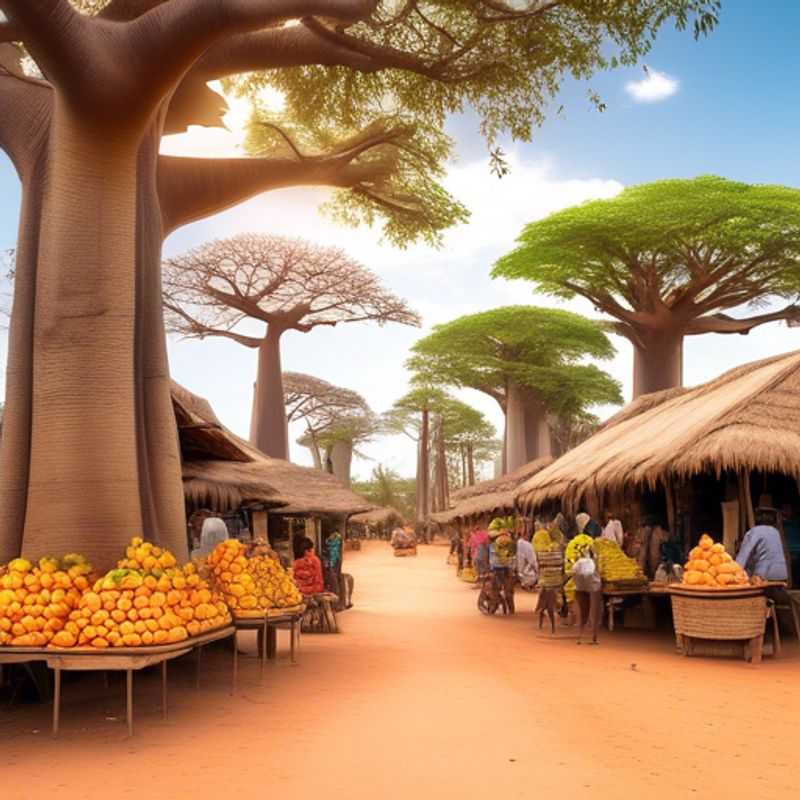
[762, 552]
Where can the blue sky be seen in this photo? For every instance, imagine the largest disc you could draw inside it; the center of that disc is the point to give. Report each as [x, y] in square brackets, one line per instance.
[735, 113]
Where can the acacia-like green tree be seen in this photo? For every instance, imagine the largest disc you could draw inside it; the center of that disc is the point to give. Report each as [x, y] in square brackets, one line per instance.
[530, 360]
[470, 440]
[665, 260]
[90, 455]
[386, 488]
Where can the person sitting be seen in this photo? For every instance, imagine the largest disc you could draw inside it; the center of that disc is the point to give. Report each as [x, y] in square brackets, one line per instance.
[762, 553]
[308, 570]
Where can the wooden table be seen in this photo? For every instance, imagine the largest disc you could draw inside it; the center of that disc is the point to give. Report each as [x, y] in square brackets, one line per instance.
[276, 621]
[254, 624]
[127, 659]
[615, 597]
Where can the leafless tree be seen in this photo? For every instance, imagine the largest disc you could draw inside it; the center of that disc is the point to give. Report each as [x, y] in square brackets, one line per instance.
[337, 420]
[283, 284]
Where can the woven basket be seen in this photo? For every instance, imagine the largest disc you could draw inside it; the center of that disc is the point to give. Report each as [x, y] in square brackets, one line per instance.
[719, 618]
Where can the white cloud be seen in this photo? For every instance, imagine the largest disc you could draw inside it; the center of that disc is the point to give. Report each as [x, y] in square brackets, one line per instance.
[653, 88]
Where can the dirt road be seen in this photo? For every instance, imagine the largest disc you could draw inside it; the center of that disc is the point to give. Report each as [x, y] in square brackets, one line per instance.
[423, 697]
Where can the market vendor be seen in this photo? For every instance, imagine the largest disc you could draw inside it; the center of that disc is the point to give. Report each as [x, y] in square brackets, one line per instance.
[613, 530]
[479, 551]
[762, 552]
[308, 570]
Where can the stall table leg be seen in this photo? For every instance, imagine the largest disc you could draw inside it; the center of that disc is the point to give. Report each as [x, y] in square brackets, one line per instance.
[56, 700]
[272, 641]
[129, 699]
[293, 624]
[164, 690]
[235, 663]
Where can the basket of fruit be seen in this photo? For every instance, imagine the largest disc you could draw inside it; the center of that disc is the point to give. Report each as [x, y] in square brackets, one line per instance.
[716, 600]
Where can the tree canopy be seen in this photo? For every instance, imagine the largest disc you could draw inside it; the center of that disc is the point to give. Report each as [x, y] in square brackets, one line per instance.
[675, 250]
[287, 284]
[368, 85]
[537, 348]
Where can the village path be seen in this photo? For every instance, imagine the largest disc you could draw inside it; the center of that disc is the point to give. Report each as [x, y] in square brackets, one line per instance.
[421, 696]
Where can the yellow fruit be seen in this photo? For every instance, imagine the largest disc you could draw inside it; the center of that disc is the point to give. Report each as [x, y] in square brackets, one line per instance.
[65, 638]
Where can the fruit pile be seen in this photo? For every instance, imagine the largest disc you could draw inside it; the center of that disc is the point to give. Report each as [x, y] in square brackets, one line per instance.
[36, 600]
[127, 608]
[251, 586]
[711, 567]
[615, 567]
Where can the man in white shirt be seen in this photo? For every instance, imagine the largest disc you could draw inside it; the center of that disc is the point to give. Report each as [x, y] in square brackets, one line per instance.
[613, 529]
[527, 565]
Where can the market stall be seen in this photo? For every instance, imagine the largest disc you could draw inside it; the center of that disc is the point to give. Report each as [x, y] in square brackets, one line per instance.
[680, 463]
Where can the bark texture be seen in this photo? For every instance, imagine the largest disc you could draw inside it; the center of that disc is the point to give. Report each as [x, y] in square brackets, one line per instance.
[340, 457]
[657, 363]
[527, 428]
[270, 434]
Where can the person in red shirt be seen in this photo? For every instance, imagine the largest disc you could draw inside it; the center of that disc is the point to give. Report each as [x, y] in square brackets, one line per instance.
[308, 570]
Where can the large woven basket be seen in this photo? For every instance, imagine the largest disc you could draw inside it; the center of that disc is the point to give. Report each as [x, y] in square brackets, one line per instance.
[705, 617]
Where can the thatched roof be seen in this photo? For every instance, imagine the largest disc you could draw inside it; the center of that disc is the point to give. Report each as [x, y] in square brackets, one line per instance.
[379, 516]
[747, 418]
[223, 471]
[489, 497]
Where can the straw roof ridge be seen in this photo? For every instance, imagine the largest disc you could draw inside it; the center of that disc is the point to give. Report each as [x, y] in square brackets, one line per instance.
[503, 483]
[749, 417]
[378, 515]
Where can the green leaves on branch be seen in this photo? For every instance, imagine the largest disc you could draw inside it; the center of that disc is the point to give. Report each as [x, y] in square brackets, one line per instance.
[682, 247]
[538, 348]
[387, 171]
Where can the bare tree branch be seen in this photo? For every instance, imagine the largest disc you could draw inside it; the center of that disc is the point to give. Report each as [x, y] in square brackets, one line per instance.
[286, 284]
[722, 323]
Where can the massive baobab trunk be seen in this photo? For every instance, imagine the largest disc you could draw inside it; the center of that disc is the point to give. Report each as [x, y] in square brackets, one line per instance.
[340, 457]
[269, 430]
[657, 362]
[527, 428]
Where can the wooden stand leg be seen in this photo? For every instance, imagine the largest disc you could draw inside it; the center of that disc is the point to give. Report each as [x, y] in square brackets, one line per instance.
[292, 643]
[235, 663]
[164, 690]
[272, 641]
[197, 652]
[262, 641]
[129, 700]
[57, 700]
[757, 649]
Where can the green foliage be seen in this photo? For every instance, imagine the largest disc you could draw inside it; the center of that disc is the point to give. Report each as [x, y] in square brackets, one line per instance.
[430, 59]
[535, 347]
[402, 161]
[701, 245]
[405, 416]
[386, 488]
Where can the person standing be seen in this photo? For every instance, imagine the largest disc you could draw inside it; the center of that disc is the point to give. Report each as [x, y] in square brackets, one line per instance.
[549, 546]
[502, 561]
[613, 530]
[479, 552]
[588, 593]
[308, 570]
[213, 531]
[762, 553]
[527, 565]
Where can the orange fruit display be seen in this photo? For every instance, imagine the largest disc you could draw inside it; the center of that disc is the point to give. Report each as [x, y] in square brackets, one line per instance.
[36, 599]
[711, 567]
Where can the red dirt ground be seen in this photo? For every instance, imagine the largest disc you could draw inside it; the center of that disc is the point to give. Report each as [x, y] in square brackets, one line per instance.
[422, 696]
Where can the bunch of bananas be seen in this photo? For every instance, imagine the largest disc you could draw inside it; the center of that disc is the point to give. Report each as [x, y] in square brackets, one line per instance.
[615, 566]
[575, 549]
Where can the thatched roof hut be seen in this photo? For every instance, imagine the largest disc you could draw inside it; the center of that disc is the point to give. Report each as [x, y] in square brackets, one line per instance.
[224, 472]
[489, 497]
[379, 516]
[748, 419]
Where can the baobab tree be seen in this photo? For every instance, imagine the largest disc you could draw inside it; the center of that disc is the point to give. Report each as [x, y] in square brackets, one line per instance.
[282, 285]
[337, 420]
[665, 260]
[83, 129]
[528, 359]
